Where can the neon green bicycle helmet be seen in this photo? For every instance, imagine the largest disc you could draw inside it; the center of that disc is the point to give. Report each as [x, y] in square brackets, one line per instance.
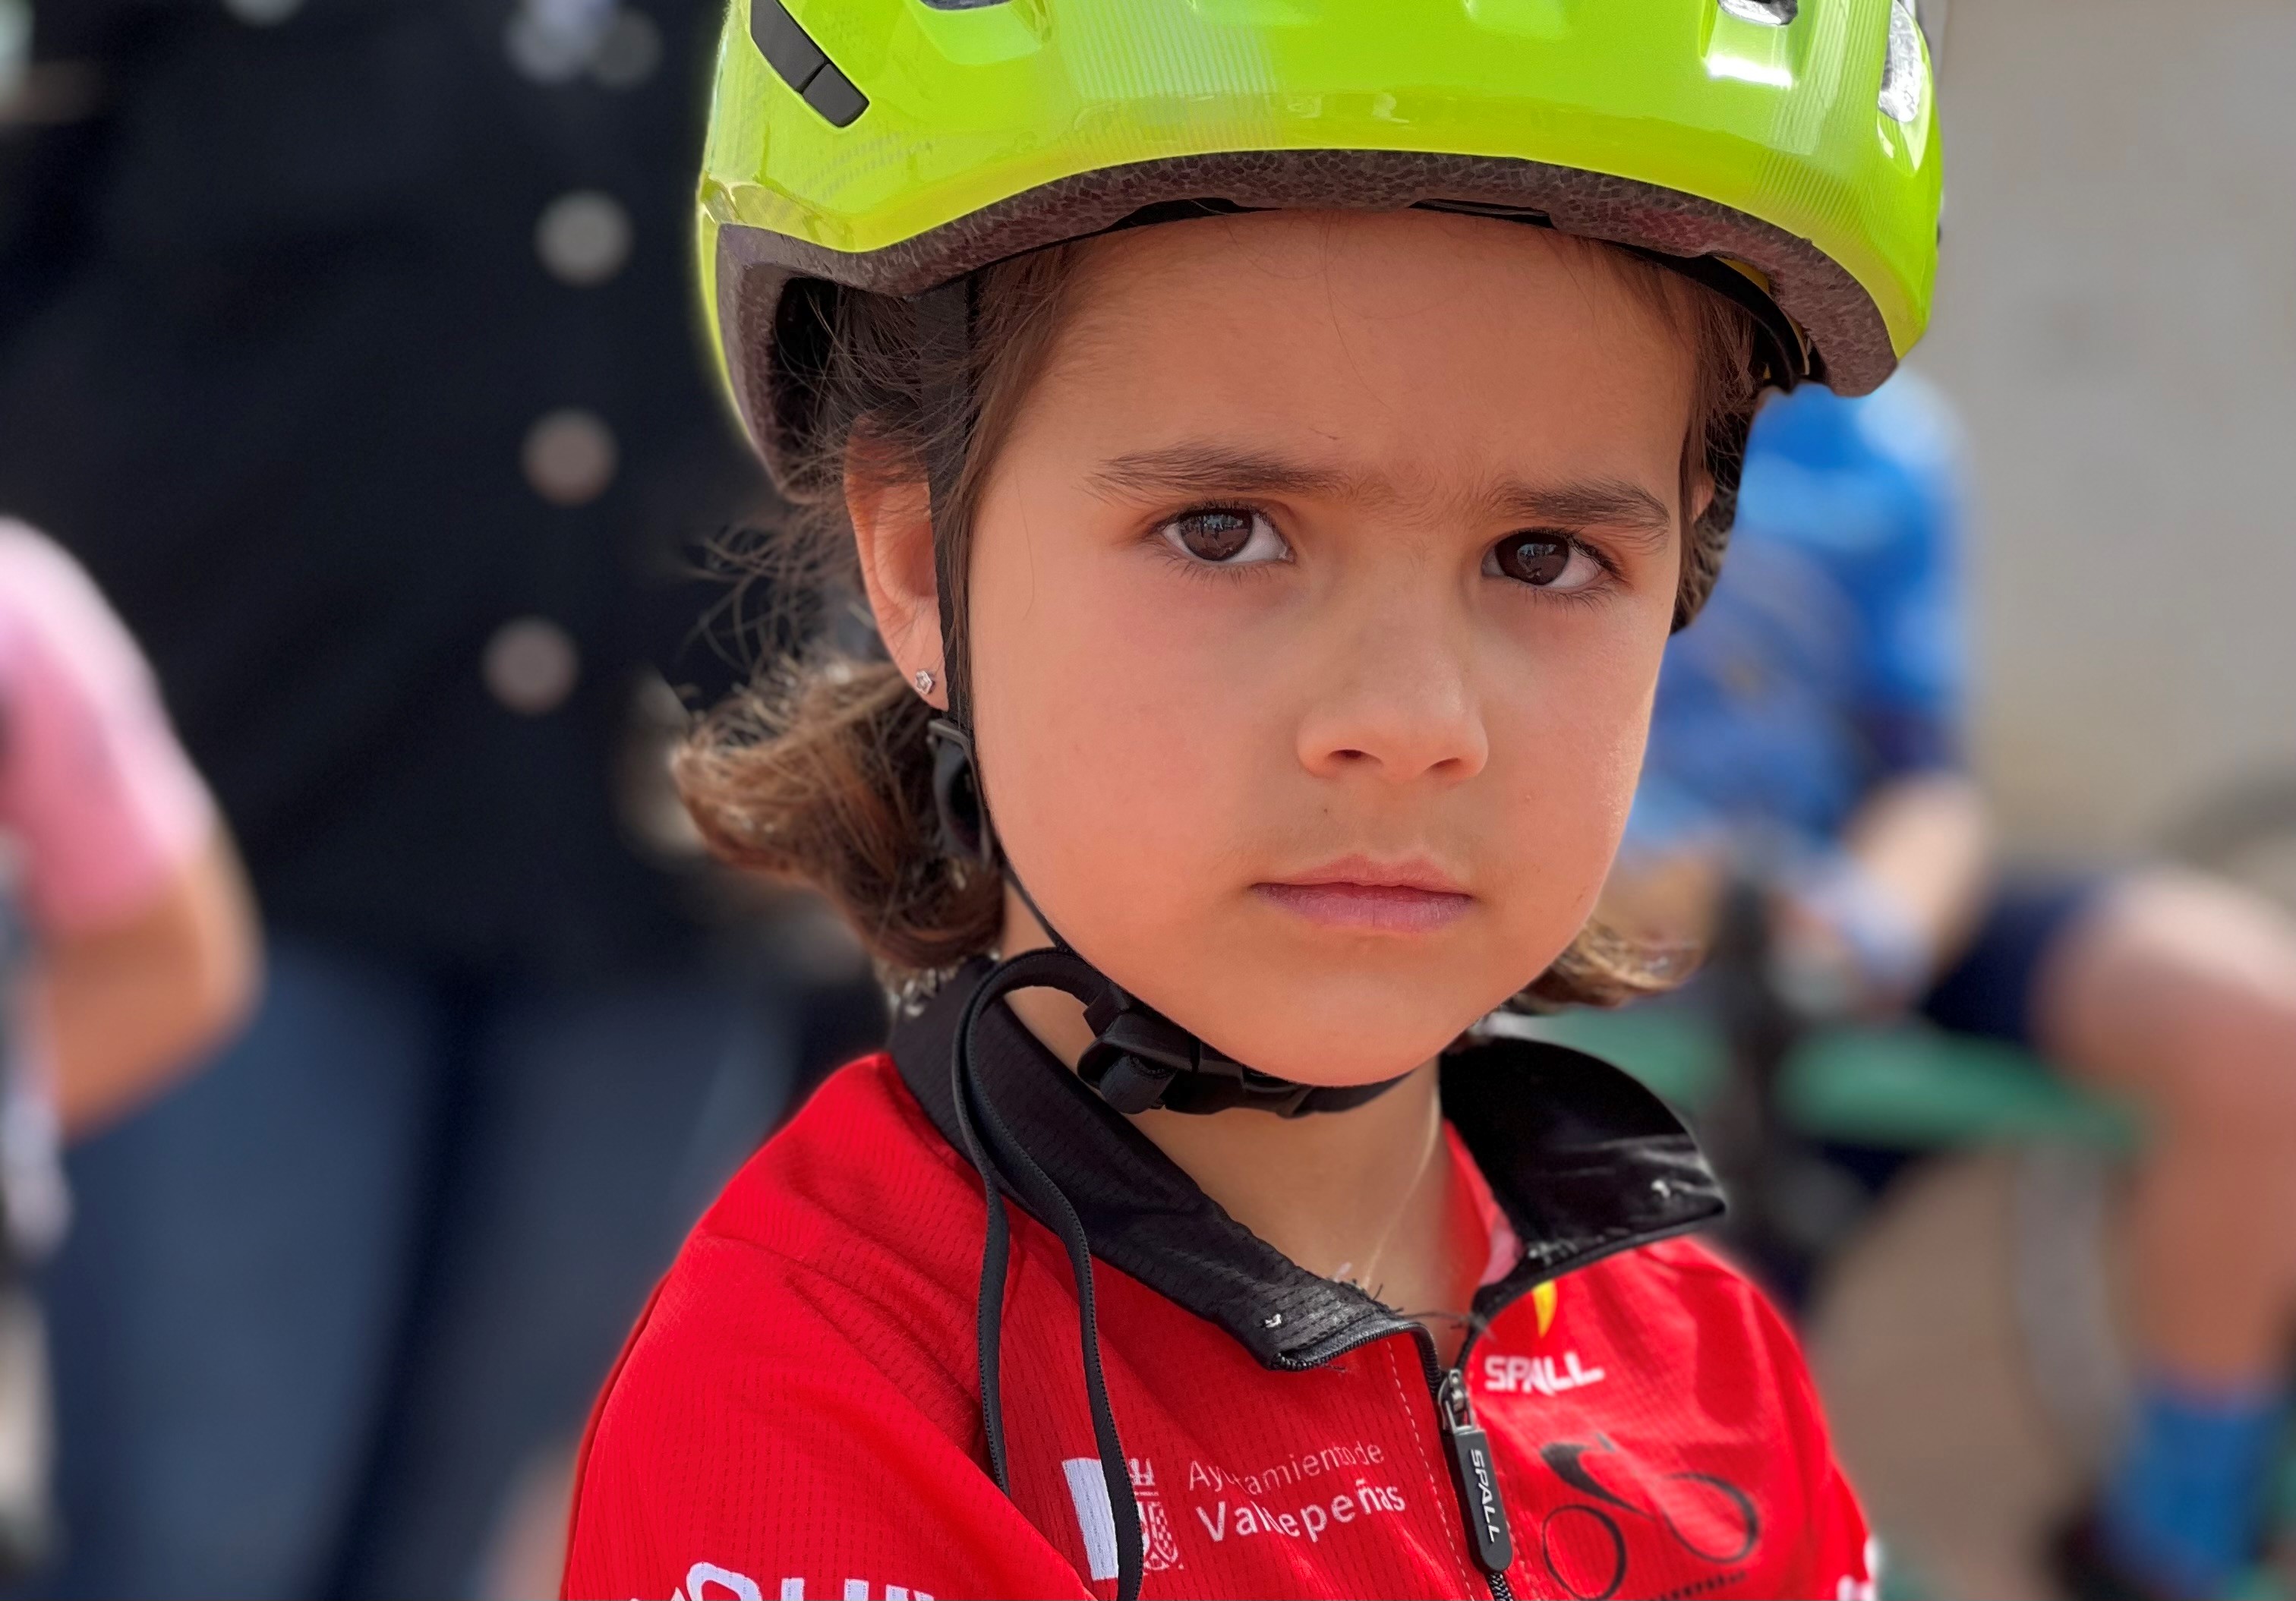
[1784, 150]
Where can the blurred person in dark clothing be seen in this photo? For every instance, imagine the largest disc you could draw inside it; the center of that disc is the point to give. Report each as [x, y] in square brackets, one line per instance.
[345, 342]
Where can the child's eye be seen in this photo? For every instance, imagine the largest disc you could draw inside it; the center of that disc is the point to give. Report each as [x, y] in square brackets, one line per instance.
[1226, 538]
[1544, 560]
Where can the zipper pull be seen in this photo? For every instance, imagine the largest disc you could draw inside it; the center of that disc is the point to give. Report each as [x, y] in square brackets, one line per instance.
[1477, 1479]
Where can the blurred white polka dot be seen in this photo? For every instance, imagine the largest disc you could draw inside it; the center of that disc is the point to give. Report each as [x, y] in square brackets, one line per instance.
[552, 41]
[531, 665]
[583, 238]
[570, 456]
[536, 55]
[629, 53]
[262, 13]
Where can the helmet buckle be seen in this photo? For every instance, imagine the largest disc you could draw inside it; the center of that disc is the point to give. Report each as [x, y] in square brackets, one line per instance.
[1135, 1054]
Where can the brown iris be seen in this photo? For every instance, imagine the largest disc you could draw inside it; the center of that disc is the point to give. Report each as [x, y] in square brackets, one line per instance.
[1214, 536]
[1535, 559]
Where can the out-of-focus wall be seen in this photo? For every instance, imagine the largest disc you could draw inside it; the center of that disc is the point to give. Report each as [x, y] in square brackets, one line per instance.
[2117, 321]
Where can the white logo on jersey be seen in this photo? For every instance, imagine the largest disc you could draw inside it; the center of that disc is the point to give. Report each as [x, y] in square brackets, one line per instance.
[1537, 1374]
[1160, 1553]
[706, 1581]
[1096, 1518]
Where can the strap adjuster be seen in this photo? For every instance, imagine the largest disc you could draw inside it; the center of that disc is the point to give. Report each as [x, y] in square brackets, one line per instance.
[1140, 1061]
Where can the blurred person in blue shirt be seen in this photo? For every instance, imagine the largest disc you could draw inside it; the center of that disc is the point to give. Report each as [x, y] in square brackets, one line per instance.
[1813, 719]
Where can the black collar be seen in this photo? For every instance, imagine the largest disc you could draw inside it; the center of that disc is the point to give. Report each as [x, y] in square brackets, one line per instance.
[1583, 1160]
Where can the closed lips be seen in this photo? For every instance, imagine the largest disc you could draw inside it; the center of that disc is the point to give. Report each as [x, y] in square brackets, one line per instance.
[1372, 900]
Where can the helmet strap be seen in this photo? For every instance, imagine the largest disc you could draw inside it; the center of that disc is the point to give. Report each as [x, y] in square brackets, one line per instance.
[1139, 1059]
[945, 397]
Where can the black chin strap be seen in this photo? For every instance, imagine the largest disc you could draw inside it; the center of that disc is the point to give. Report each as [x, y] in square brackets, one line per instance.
[1139, 1059]
[1128, 1057]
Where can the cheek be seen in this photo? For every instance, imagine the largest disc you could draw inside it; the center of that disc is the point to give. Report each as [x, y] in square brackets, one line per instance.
[1117, 745]
[1567, 739]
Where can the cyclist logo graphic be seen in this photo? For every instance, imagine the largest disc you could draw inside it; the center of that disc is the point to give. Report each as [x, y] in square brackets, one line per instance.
[1589, 1545]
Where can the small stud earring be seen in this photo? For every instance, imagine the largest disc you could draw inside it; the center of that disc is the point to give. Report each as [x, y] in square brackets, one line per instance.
[924, 681]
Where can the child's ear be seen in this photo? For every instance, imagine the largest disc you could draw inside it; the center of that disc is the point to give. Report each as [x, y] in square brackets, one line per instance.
[1702, 498]
[890, 507]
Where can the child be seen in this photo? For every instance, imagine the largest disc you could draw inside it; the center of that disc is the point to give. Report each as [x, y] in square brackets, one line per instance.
[1274, 442]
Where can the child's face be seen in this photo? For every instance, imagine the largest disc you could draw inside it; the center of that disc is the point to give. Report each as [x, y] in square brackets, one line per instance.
[1275, 720]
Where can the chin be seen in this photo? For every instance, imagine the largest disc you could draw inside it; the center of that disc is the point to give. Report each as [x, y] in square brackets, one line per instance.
[1319, 1009]
[1335, 1029]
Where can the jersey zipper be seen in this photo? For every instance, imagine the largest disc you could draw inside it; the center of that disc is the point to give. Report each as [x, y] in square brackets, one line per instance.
[1482, 1508]
[1466, 1446]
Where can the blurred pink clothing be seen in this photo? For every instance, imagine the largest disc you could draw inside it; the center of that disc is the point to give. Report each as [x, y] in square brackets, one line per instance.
[97, 797]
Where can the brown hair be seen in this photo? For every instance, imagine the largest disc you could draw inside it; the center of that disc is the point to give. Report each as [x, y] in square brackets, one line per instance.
[820, 773]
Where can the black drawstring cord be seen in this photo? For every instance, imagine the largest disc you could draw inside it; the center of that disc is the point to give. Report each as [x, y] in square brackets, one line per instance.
[943, 318]
[988, 1306]
[985, 1138]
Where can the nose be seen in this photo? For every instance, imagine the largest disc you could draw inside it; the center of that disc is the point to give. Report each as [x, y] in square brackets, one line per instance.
[1394, 696]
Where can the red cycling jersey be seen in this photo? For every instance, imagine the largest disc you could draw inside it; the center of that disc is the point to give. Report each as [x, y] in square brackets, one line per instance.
[798, 1415]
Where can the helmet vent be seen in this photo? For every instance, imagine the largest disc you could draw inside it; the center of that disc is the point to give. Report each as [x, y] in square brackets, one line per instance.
[963, 4]
[789, 50]
[1769, 13]
[1905, 89]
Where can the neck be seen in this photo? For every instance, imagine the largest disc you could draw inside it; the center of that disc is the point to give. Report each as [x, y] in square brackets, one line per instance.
[1369, 1195]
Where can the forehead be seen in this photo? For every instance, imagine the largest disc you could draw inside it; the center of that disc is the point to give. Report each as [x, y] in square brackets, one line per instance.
[1409, 344]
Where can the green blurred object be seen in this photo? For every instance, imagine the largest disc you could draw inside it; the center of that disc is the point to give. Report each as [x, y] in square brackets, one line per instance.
[1679, 1056]
[15, 48]
[1914, 1086]
[1903, 1581]
[1901, 1087]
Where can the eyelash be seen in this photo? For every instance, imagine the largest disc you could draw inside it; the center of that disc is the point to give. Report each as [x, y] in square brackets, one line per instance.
[1219, 572]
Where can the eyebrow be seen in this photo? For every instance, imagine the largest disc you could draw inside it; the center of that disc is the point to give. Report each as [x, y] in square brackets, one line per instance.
[1628, 508]
[1212, 469]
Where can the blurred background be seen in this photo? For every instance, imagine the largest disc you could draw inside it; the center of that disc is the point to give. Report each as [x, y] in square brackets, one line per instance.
[2116, 330]
[396, 1026]
[349, 373]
